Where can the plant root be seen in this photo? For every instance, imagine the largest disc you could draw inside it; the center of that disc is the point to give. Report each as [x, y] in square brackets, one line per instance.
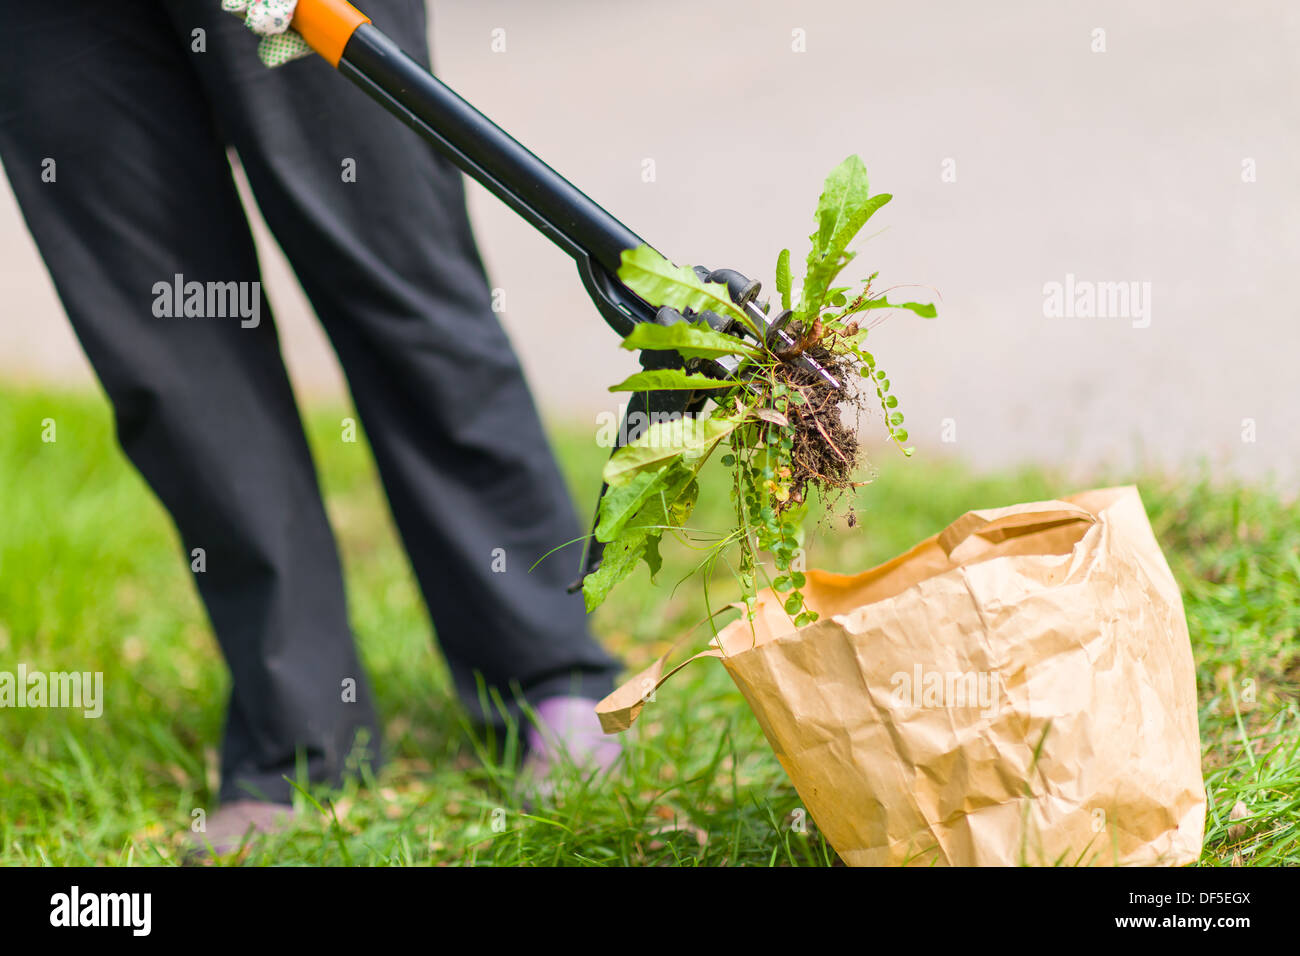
[825, 452]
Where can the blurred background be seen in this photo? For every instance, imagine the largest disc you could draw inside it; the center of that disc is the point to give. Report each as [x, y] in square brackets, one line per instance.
[1023, 142]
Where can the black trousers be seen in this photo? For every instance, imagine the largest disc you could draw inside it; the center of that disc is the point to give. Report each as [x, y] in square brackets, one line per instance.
[115, 119]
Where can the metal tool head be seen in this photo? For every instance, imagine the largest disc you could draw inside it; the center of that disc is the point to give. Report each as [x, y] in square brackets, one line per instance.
[779, 340]
[770, 333]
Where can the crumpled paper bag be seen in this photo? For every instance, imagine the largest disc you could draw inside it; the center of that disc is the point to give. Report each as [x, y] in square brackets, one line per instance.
[1018, 689]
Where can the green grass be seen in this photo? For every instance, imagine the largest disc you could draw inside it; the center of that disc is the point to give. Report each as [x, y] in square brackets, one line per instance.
[91, 578]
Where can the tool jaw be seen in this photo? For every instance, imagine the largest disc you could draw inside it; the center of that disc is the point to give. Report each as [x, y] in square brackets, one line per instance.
[621, 308]
[771, 334]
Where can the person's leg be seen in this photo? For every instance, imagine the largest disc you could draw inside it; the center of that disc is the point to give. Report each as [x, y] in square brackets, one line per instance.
[389, 263]
[109, 145]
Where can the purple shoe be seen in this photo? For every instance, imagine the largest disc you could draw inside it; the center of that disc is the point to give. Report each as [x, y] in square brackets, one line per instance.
[236, 826]
[567, 734]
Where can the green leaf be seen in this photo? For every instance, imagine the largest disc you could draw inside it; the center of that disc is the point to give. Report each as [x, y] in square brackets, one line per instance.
[664, 498]
[667, 379]
[844, 193]
[691, 437]
[651, 500]
[691, 339]
[680, 507]
[844, 208]
[659, 282]
[650, 553]
[619, 560]
[783, 277]
[621, 503]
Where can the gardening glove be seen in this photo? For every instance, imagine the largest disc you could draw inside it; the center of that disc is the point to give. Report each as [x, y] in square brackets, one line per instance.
[270, 19]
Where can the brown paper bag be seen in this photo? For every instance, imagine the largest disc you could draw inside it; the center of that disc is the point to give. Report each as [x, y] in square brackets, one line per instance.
[1018, 689]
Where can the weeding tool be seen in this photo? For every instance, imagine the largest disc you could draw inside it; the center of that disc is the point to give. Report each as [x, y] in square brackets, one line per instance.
[551, 204]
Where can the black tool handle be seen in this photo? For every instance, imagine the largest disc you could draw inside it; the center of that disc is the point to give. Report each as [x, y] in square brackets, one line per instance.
[484, 151]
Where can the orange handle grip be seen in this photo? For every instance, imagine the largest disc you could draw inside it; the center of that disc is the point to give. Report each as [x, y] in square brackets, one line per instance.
[327, 26]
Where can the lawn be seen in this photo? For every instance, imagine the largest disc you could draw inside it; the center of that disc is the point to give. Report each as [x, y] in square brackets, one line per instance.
[91, 579]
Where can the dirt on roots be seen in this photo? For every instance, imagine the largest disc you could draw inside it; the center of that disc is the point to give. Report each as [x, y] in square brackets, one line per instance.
[825, 453]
